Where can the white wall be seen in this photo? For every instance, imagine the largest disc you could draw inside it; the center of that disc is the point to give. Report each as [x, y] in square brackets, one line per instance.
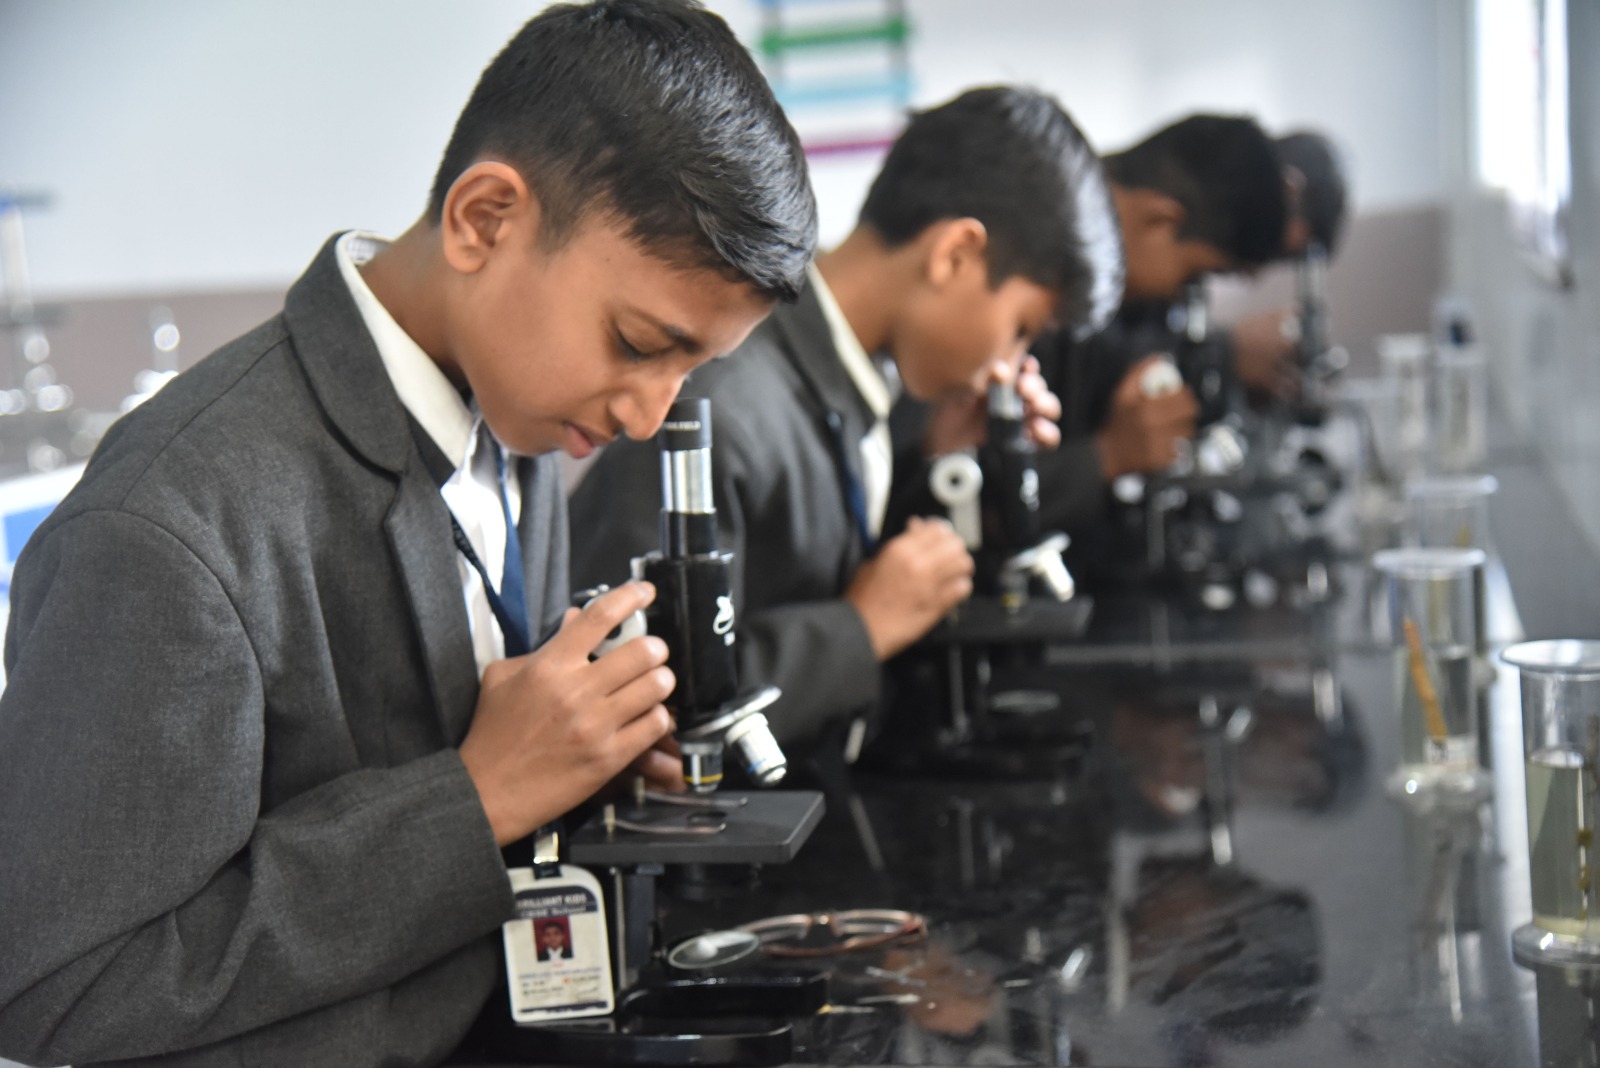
[197, 144]
[1544, 342]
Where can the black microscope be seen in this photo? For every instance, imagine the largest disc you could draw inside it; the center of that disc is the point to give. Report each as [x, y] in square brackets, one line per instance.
[1016, 559]
[1316, 357]
[1237, 519]
[1024, 600]
[708, 999]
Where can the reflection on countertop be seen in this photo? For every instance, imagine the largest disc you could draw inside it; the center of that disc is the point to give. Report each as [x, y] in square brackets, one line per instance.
[1216, 878]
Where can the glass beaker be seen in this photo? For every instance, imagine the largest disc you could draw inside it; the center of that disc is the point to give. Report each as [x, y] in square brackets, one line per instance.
[1460, 409]
[1450, 511]
[1407, 361]
[1561, 747]
[1433, 597]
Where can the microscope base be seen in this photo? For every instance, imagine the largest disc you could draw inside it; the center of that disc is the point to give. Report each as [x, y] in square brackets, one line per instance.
[947, 717]
[727, 1019]
[633, 1039]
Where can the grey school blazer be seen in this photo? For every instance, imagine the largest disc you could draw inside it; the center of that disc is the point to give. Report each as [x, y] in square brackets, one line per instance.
[781, 508]
[233, 826]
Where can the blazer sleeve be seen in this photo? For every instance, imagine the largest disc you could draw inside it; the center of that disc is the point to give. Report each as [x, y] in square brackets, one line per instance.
[817, 651]
[158, 908]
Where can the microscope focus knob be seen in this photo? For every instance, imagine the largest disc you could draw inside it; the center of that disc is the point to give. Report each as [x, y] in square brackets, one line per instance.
[956, 481]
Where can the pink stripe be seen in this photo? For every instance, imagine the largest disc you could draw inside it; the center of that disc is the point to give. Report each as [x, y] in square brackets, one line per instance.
[849, 146]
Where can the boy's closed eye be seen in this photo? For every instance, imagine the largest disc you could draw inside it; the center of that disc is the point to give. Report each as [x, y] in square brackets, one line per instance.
[634, 353]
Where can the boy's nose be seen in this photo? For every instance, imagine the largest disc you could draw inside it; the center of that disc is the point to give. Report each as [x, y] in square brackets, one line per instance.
[642, 410]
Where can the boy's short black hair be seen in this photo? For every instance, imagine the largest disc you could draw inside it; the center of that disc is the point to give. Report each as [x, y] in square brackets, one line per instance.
[1225, 172]
[1322, 199]
[1015, 161]
[652, 112]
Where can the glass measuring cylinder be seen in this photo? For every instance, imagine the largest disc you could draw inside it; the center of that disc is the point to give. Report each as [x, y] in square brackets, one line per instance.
[1460, 409]
[1450, 511]
[1561, 747]
[1407, 361]
[1433, 597]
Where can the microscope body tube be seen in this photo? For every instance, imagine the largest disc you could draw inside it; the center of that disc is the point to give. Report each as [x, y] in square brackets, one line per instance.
[1314, 346]
[1017, 553]
[1012, 483]
[693, 612]
[1312, 282]
[1201, 360]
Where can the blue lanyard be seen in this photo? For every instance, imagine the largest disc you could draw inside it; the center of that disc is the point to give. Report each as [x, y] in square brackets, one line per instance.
[855, 494]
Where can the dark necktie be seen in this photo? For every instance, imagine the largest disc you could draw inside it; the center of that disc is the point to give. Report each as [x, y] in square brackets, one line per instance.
[513, 592]
[509, 603]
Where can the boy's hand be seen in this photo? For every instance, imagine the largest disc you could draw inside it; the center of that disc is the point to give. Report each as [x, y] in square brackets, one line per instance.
[1142, 432]
[1040, 405]
[553, 727]
[908, 587]
[963, 421]
[660, 766]
[1264, 350]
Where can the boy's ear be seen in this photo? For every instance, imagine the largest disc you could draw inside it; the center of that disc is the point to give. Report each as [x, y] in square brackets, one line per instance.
[485, 205]
[955, 246]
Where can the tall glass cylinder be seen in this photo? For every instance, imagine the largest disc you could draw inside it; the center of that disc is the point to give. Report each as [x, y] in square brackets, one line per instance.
[1460, 409]
[1561, 746]
[1433, 597]
[1407, 364]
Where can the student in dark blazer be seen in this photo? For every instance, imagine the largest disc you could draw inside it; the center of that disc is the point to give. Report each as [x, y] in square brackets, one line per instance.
[266, 729]
[1206, 194]
[989, 222]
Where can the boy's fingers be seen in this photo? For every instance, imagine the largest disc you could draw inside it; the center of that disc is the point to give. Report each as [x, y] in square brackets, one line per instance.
[604, 614]
[628, 661]
[642, 693]
[1044, 432]
[643, 731]
[1035, 391]
[660, 769]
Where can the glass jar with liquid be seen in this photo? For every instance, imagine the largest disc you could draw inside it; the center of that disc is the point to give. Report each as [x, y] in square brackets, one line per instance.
[1561, 748]
[1433, 599]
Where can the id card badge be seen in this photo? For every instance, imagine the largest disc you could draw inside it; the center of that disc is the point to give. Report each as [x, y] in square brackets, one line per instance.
[558, 959]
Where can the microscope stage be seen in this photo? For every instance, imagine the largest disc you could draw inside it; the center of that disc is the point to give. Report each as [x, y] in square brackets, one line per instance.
[769, 828]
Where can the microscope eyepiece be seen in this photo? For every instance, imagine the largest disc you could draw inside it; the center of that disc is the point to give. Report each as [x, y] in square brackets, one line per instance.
[688, 425]
[1004, 401]
[688, 502]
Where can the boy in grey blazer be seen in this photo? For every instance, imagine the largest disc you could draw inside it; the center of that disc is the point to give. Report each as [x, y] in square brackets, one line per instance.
[989, 222]
[272, 708]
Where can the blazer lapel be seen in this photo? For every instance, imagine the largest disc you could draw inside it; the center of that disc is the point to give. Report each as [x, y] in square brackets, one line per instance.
[350, 381]
[808, 343]
[418, 528]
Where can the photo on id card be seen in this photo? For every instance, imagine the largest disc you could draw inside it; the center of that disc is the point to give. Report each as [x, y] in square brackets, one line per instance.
[558, 960]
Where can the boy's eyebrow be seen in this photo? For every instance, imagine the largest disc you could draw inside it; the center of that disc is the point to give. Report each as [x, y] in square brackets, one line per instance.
[685, 341]
[681, 338]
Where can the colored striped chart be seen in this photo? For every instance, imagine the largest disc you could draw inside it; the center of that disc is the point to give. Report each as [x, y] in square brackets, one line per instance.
[841, 68]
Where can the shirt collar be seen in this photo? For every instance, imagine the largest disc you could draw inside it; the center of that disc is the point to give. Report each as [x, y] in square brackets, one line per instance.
[863, 372]
[427, 394]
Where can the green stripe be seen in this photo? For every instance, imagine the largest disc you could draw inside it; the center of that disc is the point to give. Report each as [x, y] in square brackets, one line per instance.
[886, 31]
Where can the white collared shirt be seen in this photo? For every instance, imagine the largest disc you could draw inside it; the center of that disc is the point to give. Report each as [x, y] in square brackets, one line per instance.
[877, 455]
[472, 491]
